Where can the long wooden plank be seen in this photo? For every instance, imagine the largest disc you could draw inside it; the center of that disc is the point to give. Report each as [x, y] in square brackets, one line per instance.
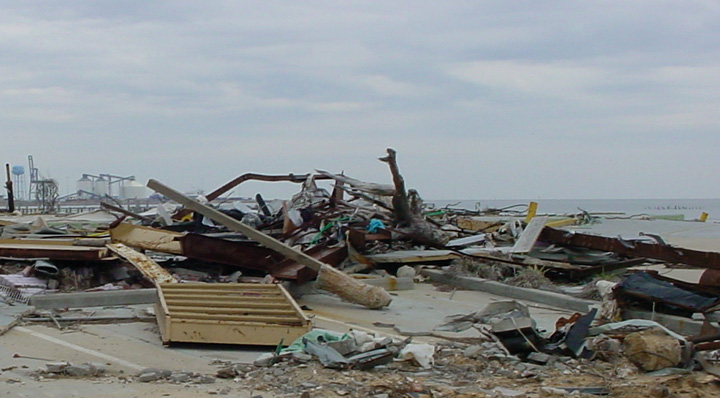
[53, 252]
[335, 281]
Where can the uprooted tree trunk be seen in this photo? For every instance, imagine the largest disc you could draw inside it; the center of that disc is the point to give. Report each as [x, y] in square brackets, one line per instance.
[407, 208]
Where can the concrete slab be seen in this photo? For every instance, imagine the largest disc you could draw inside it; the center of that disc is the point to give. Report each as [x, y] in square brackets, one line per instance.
[417, 310]
[533, 295]
[94, 299]
[11, 314]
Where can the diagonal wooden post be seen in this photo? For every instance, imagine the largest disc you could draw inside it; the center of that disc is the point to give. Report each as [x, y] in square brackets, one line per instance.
[329, 278]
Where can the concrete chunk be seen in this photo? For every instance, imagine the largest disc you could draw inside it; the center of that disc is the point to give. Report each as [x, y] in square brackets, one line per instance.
[80, 370]
[148, 377]
[56, 367]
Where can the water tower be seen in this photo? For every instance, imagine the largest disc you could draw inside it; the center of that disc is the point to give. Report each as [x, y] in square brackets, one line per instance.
[18, 176]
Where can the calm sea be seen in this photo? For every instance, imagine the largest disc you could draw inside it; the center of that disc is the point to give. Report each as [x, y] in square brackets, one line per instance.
[689, 209]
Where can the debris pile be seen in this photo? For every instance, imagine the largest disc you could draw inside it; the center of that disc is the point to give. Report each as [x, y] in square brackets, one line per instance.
[222, 272]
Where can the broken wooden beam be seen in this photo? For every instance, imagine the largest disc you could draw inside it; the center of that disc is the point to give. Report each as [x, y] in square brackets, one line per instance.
[149, 268]
[329, 278]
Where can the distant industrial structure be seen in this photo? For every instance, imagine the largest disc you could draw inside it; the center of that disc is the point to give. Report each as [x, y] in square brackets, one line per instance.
[29, 192]
[42, 190]
[104, 185]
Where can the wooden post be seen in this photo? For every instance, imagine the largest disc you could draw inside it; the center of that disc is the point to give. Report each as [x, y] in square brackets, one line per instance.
[329, 278]
[9, 187]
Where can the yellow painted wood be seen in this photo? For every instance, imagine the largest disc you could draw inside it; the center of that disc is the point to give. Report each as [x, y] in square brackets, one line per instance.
[271, 319]
[561, 223]
[531, 211]
[228, 304]
[223, 286]
[230, 311]
[207, 313]
[234, 333]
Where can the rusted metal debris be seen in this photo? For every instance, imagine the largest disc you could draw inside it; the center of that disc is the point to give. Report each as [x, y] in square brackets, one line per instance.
[633, 249]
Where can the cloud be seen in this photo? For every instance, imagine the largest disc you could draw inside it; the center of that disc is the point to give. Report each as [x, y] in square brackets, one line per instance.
[532, 79]
[480, 98]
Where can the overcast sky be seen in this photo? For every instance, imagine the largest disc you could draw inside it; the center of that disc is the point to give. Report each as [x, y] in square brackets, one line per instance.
[481, 99]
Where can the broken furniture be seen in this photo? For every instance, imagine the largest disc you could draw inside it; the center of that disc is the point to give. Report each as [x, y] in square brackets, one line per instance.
[234, 313]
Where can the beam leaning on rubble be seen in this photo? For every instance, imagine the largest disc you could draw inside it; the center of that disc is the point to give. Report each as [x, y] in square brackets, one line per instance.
[329, 278]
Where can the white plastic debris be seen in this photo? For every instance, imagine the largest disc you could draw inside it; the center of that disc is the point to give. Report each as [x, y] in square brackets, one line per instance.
[422, 354]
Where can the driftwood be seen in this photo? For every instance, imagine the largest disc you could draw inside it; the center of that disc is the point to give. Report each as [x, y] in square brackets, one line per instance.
[366, 197]
[407, 208]
[368, 187]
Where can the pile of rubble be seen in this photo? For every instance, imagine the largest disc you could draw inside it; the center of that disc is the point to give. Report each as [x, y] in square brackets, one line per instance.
[232, 264]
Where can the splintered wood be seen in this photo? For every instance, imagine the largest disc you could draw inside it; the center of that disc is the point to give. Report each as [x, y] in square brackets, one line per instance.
[149, 268]
[237, 313]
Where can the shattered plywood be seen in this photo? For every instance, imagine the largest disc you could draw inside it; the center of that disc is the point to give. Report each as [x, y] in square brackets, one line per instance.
[238, 313]
[530, 235]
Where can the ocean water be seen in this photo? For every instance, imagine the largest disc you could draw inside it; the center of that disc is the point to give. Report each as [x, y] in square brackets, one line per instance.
[688, 209]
